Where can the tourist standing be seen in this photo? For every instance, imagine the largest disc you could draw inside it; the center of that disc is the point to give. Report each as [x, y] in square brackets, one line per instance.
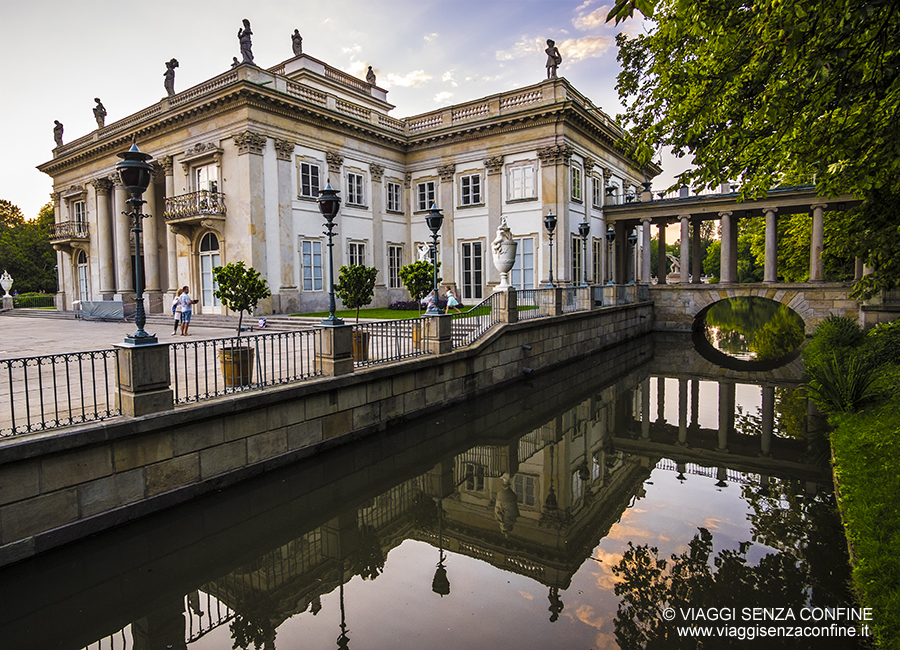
[176, 311]
[186, 309]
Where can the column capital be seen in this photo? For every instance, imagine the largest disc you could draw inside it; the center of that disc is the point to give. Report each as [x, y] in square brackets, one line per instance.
[589, 164]
[818, 205]
[726, 214]
[335, 161]
[682, 217]
[168, 165]
[767, 210]
[493, 165]
[102, 186]
[249, 142]
[646, 220]
[446, 172]
[377, 172]
[555, 155]
[284, 149]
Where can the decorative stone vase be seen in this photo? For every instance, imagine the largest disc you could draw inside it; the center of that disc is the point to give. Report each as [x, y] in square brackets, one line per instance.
[237, 366]
[506, 506]
[503, 249]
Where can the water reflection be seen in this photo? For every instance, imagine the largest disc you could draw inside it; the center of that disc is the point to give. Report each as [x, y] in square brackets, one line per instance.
[571, 510]
[751, 328]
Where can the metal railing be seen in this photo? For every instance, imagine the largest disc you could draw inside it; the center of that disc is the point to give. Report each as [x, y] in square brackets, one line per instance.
[386, 341]
[569, 300]
[194, 204]
[471, 324]
[57, 390]
[535, 303]
[214, 367]
[70, 230]
[34, 302]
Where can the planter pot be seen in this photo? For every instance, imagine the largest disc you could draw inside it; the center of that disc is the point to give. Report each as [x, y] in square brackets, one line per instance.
[361, 346]
[237, 366]
[417, 336]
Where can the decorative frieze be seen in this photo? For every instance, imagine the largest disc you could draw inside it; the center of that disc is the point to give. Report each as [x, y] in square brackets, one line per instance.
[201, 148]
[555, 155]
[377, 172]
[102, 186]
[407, 180]
[284, 149]
[494, 165]
[250, 142]
[446, 172]
[335, 161]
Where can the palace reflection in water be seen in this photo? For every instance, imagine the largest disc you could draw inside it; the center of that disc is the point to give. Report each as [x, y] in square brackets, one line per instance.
[527, 520]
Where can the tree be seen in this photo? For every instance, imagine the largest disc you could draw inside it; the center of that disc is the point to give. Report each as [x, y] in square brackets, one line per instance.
[239, 288]
[356, 286]
[775, 93]
[25, 249]
[418, 278]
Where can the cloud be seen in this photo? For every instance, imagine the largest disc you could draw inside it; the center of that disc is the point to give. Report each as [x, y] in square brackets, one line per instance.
[412, 79]
[442, 97]
[355, 48]
[584, 5]
[586, 615]
[526, 595]
[524, 47]
[588, 47]
[448, 77]
[430, 37]
[597, 18]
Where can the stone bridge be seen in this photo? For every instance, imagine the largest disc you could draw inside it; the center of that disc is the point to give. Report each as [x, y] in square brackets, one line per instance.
[676, 306]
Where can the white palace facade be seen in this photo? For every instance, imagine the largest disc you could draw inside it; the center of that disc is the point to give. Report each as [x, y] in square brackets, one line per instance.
[241, 158]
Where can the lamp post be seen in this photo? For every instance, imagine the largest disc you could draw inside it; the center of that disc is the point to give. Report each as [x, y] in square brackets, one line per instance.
[434, 219]
[550, 225]
[632, 242]
[610, 239]
[329, 205]
[584, 229]
[135, 173]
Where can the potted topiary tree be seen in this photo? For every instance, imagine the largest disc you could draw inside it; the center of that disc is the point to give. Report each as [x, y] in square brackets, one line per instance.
[240, 289]
[356, 288]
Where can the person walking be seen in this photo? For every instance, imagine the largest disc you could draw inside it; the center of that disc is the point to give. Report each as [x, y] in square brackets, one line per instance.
[186, 309]
[176, 311]
[452, 302]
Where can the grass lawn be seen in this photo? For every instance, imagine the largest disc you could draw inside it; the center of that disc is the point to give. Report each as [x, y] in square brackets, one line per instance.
[866, 449]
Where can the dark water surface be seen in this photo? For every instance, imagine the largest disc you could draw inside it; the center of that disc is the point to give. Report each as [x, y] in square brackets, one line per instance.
[568, 512]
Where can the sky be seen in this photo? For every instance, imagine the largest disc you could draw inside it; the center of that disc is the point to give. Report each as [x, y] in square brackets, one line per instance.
[59, 55]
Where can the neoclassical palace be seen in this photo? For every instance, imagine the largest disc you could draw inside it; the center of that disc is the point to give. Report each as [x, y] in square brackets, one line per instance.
[241, 158]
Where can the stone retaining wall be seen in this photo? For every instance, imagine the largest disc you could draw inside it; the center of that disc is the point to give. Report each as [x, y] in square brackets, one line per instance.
[61, 485]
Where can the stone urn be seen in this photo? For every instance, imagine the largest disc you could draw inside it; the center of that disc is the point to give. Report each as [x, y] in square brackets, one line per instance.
[6, 282]
[506, 506]
[503, 249]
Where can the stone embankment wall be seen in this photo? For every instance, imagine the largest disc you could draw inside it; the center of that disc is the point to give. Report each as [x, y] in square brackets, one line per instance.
[62, 485]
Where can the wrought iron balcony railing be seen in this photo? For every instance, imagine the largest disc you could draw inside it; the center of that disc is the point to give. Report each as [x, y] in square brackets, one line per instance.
[195, 205]
[69, 230]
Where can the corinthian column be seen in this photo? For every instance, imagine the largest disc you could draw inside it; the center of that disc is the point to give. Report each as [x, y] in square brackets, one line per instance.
[124, 279]
[151, 247]
[171, 242]
[104, 243]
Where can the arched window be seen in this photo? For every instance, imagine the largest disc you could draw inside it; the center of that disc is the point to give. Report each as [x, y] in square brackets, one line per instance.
[84, 292]
[209, 258]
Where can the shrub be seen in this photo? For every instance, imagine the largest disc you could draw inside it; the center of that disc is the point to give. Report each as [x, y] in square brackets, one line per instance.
[356, 286]
[882, 344]
[842, 385]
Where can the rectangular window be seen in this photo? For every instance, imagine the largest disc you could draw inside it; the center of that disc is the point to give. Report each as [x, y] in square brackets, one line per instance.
[474, 477]
[470, 190]
[473, 270]
[577, 486]
[425, 193]
[357, 255]
[596, 192]
[395, 262]
[78, 212]
[522, 275]
[311, 254]
[206, 178]
[309, 180]
[598, 253]
[576, 260]
[576, 183]
[521, 182]
[525, 489]
[393, 197]
[355, 189]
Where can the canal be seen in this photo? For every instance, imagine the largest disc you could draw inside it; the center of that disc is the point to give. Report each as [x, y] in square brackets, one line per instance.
[607, 505]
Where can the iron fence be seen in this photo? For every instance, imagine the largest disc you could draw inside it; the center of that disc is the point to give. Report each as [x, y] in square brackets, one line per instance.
[57, 390]
[471, 324]
[214, 367]
[386, 341]
[535, 303]
[43, 301]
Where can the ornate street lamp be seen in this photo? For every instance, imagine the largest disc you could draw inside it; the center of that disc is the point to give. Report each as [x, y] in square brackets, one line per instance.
[610, 239]
[632, 242]
[135, 173]
[329, 205]
[550, 225]
[584, 229]
[434, 219]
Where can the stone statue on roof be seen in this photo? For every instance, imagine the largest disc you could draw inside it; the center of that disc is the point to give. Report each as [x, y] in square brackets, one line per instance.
[99, 113]
[370, 77]
[297, 43]
[244, 35]
[169, 76]
[554, 58]
[58, 132]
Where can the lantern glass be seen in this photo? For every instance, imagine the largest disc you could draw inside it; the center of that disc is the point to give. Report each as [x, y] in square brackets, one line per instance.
[434, 219]
[329, 202]
[610, 235]
[550, 222]
[584, 229]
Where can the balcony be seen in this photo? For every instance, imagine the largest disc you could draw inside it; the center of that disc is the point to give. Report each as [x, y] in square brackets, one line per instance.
[192, 208]
[66, 232]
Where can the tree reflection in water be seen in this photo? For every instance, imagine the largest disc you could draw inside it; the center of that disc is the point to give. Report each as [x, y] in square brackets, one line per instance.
[751, 327]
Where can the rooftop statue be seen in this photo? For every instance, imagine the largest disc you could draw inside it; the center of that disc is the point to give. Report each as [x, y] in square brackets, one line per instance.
[58, 132]
[370, 77]
[169, 76]
[99, 113]
[244, 35]
[554, 58]
[234, 62]
[297, 43]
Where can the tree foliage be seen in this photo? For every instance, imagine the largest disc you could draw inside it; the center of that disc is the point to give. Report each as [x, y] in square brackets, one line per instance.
[240, 288]
[25, 250]
[356, 286]
[418, 278]
[774, 93]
